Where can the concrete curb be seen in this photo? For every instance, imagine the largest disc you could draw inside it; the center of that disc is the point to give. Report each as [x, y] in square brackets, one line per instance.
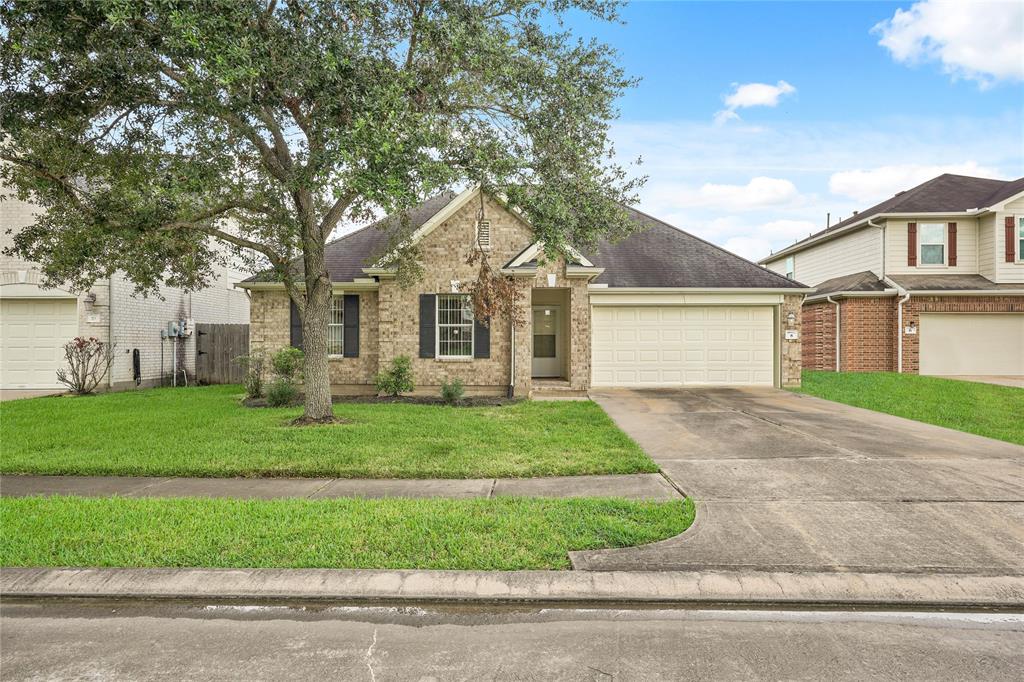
[671, 587]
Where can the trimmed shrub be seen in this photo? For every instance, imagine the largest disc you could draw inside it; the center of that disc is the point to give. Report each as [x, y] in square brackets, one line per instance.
[252, 365]
[452, 391]
[398, 379]
[281, 392]
[287, 363]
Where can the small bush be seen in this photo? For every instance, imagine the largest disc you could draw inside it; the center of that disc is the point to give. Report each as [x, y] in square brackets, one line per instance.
[88, 362]
[287, 363]
[398, 379]
[281, 392]
[252, 365]
[452, 392]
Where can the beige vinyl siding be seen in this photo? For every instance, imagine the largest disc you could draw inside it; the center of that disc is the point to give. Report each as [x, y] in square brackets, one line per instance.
[1007, 273]
[966, 247]
[855, 252]
[1016, 205]
[987, 246]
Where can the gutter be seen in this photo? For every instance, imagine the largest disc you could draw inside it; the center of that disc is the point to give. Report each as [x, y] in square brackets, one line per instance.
[899, 323]
[839, 329]
[851, 294]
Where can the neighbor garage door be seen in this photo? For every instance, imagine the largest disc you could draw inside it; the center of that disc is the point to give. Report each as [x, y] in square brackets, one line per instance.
[33, 332]
[968, 343]
[682, 345]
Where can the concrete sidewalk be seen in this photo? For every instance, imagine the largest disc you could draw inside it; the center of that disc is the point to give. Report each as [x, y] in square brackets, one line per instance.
[706, 588]
[629, 486]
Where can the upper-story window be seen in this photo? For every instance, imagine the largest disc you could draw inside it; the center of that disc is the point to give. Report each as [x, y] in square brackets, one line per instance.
[933, 243]
[790, 267]
[1020, 239]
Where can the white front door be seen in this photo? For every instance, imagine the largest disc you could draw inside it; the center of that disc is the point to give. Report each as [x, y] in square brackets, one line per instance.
[547, 353]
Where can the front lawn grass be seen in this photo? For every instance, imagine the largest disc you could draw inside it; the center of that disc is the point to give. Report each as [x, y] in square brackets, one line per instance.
[204, 431]
[497, 534]
[983, 409]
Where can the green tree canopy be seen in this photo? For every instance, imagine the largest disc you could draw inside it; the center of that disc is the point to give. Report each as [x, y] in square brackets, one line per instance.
[151, 130]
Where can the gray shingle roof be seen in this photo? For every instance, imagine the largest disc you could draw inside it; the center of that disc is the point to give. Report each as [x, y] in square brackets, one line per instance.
[947, 192]
[858, 281]
[656, 255]
[949, 283]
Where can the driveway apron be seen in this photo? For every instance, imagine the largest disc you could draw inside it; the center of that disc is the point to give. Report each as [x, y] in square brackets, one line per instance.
[785, 481]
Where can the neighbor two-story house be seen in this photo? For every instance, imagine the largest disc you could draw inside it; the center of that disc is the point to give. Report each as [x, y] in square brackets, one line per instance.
[930, 281]
[659, 308]
[36, 321]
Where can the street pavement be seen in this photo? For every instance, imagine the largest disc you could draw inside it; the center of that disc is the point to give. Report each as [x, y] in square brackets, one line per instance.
[90, 640]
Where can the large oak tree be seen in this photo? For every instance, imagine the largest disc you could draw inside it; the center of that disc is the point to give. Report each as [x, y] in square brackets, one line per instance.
[155, 133]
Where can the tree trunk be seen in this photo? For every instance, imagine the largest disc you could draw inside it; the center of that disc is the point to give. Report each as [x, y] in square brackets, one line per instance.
[317, 379]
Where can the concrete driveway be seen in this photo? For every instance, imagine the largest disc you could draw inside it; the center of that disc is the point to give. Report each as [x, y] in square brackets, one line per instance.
[790, 482]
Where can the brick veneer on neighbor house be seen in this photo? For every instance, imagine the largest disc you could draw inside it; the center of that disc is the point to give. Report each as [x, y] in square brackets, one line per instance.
[869, 342]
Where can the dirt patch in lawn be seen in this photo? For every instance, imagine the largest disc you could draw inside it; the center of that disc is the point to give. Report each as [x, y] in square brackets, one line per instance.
[470, 401]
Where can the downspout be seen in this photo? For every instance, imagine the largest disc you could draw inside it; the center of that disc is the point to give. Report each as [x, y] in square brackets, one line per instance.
[110, 328]
[839, 328]
[899, 322]
[512, 368]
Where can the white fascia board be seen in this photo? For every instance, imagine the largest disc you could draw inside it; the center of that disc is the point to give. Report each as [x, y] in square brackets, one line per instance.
[360, 284]
[605, 289]
[426, 228]
[852, 294]
[1001, 206]
[575, 272]
[535, 248]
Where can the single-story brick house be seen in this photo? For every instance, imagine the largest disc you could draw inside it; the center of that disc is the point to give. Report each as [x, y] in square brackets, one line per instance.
[659, 308]
[930, 281]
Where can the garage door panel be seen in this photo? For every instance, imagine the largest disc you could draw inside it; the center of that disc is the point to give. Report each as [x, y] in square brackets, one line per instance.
[32, 335]
[971, 343]
[674, 345]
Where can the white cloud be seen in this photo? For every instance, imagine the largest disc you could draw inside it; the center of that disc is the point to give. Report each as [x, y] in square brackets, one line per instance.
[876, 184]
[979, 41]
[751, 95]
[760, 192]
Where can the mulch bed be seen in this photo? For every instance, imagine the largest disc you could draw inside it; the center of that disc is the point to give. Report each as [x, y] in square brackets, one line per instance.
[468, 401]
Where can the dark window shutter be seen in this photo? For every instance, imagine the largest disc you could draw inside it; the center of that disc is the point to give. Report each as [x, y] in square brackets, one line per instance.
[1009, 239]
[350, 340]
[481, 340]
[952, 244]
[911, 243]
[296, 327]
[428, 316]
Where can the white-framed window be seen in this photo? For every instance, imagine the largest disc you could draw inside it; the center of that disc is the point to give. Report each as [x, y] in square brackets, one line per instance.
[1020, 239]
[483, 234]
[790, 267]
[931, 244]
[336, 326]
[454, 326]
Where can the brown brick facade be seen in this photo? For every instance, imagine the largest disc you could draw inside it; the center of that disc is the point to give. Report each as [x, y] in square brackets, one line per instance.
[869, 327]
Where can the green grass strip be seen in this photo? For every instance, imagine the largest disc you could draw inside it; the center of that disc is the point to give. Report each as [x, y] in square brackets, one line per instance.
[496, 534]
[983, 409]
[203, 431]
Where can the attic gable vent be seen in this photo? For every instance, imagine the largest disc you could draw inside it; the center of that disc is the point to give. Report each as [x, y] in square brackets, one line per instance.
[483, 234]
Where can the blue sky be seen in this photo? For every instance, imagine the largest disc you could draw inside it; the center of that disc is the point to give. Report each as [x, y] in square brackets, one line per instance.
[754, 120]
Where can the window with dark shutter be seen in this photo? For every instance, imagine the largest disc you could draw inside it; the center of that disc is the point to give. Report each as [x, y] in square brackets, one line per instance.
[481, 340]
[350, 345]
[951, 239]
[1008, 239]
[428, 324]
[296, 327]
[912, 244]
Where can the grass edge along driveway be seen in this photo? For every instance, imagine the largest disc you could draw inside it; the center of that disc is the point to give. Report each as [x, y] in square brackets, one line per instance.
[204, 431]
[498, 534]
[983, 409]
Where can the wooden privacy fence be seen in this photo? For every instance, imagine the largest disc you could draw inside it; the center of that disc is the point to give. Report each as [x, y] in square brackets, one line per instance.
[217, 346]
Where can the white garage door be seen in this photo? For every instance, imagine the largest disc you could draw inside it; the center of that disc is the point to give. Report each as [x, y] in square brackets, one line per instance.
[33, 332]
[972, 344]
[676, 345]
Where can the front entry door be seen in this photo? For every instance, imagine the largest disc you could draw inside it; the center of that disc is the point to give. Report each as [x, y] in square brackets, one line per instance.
[547, 353]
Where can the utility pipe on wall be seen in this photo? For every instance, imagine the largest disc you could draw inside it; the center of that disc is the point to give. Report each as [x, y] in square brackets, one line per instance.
[512, 368]
[839, 329]
[899, 332]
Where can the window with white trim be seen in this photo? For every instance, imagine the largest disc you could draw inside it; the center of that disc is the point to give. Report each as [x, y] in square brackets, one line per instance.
[336, 326]
[483, 234]
[1020, 239]
[932, 246]
[790, 267]
[454, 326]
